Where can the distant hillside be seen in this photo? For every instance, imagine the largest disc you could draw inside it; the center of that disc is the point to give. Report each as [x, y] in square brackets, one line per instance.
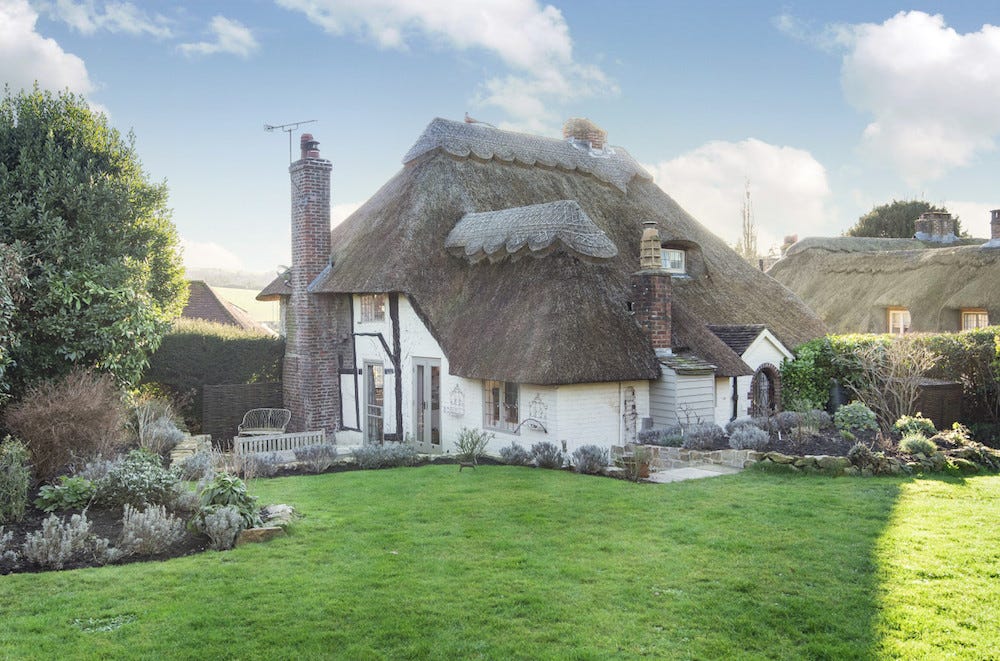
[234, 279]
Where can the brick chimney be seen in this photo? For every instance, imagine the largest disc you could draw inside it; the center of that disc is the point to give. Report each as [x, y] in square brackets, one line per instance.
[651, 292]
[310, 378]
[995, 225]
[937, 226]
[584, 131]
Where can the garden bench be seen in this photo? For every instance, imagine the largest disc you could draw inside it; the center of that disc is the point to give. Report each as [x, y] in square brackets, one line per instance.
[260, 422]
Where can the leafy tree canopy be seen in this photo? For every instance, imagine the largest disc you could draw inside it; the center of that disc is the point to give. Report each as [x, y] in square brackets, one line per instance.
[895, 220]
[98, 251]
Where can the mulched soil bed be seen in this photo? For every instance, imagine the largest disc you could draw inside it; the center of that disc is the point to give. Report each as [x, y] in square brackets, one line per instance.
[104, 523]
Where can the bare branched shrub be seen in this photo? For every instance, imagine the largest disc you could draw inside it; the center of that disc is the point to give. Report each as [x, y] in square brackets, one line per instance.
[887, 378]
[70, 420]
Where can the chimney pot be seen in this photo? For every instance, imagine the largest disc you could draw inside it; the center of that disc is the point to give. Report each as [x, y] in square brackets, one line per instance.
[649, 247]
[309, 146]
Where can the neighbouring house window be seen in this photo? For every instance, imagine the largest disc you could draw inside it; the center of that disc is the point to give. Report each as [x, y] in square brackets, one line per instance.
[899, 321]
[500, 405]
[672, 260]
[372, 307]
[975, 319]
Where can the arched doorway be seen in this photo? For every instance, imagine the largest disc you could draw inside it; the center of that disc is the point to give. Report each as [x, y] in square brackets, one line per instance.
[765, 391]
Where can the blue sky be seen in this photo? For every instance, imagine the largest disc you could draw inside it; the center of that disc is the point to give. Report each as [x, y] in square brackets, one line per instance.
[827, 108]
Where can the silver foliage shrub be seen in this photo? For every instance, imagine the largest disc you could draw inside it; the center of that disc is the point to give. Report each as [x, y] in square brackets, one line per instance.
[546, 455]
[7, 552]
[590, 459]
[742, 421]
[150, 531]
[222, 525]
[197, 466]
[515, 455]
[317, 458]
[262, 464]
[57, 542]
[388, 455]
[703, 436]
[748, 437]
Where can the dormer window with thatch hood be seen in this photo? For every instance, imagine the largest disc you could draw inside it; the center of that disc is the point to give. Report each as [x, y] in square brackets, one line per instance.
[975, 318]
[673, 260]
[898, 321]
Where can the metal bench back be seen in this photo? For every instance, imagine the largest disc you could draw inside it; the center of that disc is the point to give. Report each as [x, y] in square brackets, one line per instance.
[265, 420]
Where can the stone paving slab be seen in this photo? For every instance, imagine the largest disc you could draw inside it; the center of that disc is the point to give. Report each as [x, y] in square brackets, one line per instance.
[691, 473]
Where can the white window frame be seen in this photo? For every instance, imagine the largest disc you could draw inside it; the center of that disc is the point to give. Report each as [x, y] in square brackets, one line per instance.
[667, 262]
[501, 415]
[372, 308]
[973, 318]
[899, 321]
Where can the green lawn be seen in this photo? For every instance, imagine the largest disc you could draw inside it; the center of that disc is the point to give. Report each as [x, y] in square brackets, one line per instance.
[506, 562]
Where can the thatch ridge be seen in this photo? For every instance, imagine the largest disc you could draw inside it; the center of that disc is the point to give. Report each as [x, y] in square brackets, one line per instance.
[558, 319]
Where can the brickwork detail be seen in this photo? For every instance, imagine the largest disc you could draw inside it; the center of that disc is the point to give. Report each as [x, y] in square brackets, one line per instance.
[314, 329]
[995, 225]
[651, 305]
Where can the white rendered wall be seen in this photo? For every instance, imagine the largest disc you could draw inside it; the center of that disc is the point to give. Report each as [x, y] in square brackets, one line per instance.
[765, 349]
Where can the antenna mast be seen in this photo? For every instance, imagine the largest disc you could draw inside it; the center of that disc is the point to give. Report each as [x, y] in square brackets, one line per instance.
[287, 128]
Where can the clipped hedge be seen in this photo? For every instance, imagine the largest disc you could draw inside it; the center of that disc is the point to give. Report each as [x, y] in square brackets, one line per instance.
[196, 353]
[970, 357]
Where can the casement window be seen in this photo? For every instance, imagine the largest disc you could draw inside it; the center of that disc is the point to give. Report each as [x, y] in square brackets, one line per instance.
[372, 307]
[975, 318]
[672, 260]
[899, 321]
[500, 405]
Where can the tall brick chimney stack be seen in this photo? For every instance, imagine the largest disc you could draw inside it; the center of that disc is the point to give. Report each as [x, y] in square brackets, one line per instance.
[651, 292]
[995, 225]
[310, 378]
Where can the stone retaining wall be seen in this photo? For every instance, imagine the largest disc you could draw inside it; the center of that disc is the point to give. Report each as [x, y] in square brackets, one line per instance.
[665, 458]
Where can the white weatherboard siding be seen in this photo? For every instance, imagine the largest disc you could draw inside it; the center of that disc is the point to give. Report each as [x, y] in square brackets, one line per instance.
[765, 349]
[682, 398]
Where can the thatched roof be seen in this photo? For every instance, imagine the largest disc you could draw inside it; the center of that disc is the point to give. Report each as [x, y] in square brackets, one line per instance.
[556, 319]
[535, 230]
[204, 303]
[851, 289]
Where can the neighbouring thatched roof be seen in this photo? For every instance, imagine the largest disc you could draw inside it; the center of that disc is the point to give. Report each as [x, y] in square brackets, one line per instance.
[535, 230]
[280, 286]
[204, 303]
[556, 319]
[851, 289]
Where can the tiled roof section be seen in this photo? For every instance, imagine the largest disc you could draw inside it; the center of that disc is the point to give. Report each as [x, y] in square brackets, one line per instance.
[612, 165]
[535, 230]
[738, 338]
[687, 363]
[204, 303]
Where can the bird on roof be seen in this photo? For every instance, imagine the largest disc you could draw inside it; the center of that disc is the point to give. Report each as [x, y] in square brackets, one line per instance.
[473, 120]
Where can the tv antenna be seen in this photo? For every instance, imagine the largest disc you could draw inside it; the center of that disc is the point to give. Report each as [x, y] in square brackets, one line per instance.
[287, 128]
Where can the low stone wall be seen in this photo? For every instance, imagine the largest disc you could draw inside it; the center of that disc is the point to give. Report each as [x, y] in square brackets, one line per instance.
[190, 446]
[812, 463]
[665, 458]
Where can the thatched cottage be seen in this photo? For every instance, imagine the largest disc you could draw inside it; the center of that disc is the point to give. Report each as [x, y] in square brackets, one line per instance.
[933, 282]
[495, 283]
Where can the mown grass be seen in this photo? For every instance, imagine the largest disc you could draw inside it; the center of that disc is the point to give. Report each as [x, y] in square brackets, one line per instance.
[506, 562]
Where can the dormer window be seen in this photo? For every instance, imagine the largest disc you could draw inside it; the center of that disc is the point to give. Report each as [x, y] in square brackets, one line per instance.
[899, 321]
[975, 318]
[672, 260]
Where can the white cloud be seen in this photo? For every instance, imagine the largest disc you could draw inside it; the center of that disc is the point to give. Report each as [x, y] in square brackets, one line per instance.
[209, 255]
[975, 216]
[932, 91]
[229, 37]
[87, 17]
[531, 40]
[27, 57]
[788, 187]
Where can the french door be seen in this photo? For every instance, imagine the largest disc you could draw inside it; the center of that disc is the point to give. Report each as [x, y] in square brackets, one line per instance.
[427, 404]
[374, 402]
